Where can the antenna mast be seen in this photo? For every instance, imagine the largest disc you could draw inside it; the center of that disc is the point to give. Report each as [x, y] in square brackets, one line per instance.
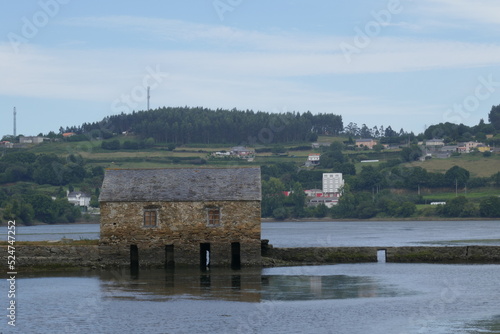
[148, 98]
[15, 113]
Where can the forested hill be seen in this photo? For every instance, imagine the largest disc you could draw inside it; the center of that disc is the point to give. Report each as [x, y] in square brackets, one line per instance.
[201, 125]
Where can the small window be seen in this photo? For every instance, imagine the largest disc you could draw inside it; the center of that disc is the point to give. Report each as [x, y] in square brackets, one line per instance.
[213, 216]
[150, 218]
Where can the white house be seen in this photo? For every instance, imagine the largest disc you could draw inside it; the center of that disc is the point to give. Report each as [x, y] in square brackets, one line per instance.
[242, 152]
[30, 140]
[313, 158]
[6, 144]
[466, 147]
[221, 154]
[434, 143]
[78, 198]
[313, 192]
[328, 201]
[332, 183]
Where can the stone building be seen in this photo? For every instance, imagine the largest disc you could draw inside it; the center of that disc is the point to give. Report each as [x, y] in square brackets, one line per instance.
[369, 143]
[207, 216]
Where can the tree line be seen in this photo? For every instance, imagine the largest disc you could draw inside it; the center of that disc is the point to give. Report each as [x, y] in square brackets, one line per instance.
[207, 126]
[185, 125]
[23, 173]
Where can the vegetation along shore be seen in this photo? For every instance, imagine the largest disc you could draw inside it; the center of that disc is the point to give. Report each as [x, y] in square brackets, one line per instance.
[450, 171]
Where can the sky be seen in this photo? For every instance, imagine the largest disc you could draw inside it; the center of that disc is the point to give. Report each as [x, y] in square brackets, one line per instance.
[404, 63]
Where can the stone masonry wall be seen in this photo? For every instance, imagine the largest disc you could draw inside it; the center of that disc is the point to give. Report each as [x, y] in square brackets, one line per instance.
[54, 256]
[183, 225]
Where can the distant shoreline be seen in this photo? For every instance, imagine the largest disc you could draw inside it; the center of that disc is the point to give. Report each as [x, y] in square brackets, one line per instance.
[415, 219]
[306, 220]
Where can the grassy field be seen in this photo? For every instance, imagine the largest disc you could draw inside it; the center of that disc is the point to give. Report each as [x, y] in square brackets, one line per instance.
[330, 139]
[471, 194]
[475, 163]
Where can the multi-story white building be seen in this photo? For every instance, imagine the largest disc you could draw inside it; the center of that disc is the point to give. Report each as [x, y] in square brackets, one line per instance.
[332, 183]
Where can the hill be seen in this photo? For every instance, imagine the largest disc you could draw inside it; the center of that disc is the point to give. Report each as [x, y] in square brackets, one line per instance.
[205, 126]
[393, 184]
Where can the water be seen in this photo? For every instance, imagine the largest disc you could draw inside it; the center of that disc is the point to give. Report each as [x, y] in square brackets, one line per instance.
[54, 232]
[348, 298]
[382, 233]
[323, 234]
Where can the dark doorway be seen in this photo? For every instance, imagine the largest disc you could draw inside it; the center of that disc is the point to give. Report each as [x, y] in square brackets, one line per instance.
[134, 256]
[205, 256]
[235, 255]
[169, 256]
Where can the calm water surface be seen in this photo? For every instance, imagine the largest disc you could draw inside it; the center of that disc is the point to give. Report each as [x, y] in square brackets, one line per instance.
[307, 234]
[382, 233]
[348, 298]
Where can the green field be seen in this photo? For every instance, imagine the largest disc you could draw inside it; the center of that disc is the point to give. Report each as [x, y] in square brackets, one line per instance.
[475, 163]
[471, 194]
[159, 156]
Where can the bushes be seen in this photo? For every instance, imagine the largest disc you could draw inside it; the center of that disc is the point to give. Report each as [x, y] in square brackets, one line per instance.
[458, 207]
[111, 145]
[490, 207]
[365, 205]
[114, 145]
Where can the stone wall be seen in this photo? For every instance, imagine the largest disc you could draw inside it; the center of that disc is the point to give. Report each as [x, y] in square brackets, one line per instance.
[322, 255]
[326, 255]
[183, 226]
[464, 254]
[54, 256]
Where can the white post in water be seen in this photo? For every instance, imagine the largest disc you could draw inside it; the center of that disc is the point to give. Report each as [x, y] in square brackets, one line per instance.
[381, 256]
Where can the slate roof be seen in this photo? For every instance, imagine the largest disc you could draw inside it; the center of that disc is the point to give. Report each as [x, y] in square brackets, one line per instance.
[189, 184]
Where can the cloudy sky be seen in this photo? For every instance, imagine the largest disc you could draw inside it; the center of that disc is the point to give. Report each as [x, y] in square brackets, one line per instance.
[402, 63]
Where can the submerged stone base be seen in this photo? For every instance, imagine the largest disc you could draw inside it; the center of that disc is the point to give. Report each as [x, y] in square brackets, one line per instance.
[221, 254]
[94, 256]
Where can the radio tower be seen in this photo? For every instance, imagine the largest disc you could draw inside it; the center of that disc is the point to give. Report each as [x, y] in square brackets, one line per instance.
[148, 99]
[15, 113]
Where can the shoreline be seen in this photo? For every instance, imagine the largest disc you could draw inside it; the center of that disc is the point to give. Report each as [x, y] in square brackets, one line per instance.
[414, 219]
[308, 220]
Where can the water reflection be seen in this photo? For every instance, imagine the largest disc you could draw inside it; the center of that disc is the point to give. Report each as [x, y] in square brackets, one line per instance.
[247, 285]
[346, 298]
[323, 287]
[491, 325]
[224, 284]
